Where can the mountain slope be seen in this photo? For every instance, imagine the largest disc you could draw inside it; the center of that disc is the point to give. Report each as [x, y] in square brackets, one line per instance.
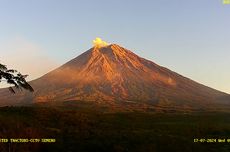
[113, 74]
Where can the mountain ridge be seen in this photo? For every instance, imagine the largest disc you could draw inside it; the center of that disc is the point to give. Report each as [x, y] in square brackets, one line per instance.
[110, 74]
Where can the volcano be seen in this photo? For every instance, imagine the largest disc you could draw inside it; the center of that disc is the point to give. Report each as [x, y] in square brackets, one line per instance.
[113, 74]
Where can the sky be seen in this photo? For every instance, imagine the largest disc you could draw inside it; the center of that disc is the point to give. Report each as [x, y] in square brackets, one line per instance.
[190, 37]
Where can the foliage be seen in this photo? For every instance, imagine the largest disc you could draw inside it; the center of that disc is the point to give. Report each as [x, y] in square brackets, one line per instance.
[14, 78]
[82, 129]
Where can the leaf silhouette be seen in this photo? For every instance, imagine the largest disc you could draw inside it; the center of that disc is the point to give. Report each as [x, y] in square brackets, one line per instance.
[12, 77]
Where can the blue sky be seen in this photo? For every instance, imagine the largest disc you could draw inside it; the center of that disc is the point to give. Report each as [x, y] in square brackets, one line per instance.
[191, 37]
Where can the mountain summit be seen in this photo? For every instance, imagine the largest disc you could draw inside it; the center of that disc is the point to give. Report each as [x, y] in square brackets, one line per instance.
[109, 73]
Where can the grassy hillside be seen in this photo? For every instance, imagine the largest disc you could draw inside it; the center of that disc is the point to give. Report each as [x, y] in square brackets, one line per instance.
[87, 129]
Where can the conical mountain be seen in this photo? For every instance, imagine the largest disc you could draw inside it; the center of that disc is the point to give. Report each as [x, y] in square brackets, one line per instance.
[113, 74]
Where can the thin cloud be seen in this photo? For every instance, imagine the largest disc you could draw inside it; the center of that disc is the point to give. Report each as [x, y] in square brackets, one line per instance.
[26, 57]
